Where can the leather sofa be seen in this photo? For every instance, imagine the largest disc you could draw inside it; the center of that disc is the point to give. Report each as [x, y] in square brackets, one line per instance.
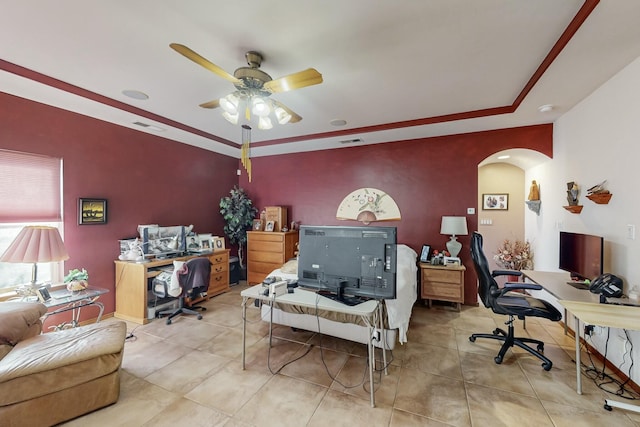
[49, 378]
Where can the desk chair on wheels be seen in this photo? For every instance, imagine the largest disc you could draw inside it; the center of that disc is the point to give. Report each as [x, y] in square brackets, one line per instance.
[513, 304]
[193, 278]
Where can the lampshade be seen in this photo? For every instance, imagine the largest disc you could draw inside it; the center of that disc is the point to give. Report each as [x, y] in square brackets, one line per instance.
[36, 244]
[454, 226]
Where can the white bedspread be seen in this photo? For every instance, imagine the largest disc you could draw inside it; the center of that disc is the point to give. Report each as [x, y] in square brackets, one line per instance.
[399, 309]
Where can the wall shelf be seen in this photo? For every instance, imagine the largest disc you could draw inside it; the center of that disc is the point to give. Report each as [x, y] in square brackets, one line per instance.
[576, 209]
[534, 205]
[600, 198]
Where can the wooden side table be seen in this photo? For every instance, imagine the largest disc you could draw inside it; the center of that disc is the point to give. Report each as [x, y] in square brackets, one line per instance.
[442, 283]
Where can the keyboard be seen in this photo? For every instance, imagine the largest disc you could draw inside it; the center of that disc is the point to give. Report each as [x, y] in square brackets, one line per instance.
[579, 285]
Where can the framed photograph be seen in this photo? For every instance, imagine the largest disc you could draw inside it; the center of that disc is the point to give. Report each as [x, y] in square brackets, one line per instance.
[193, 243]
[206, 242]
[495, 202]
[92, 211]
[425, 254]
[218, 243]
[269, 226]
[257, 225]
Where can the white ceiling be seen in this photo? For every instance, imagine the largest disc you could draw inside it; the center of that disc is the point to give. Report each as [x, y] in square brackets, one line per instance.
[384, 63]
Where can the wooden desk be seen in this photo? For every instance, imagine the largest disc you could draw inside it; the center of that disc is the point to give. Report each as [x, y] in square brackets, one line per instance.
[613, 316]
[586, 306]
[301, 297]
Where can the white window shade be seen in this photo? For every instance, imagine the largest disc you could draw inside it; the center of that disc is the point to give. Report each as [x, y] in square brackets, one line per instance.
[29, 188]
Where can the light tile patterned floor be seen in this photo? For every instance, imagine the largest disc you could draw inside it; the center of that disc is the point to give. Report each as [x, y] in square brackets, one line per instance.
[189, 373]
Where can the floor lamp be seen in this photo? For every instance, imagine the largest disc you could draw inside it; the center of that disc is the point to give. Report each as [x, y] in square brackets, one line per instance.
[35, 244]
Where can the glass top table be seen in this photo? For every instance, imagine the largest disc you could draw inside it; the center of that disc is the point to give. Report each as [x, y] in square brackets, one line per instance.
[63, 300]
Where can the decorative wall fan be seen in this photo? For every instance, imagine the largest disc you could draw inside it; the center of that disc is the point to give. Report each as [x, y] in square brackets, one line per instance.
[253, 89]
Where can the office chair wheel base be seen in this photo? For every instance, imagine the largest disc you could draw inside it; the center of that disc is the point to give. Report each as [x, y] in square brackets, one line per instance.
[199, 317]
[498, 360]
[547, 366]
[472, 338]
[540, 348]
[496, 332]
[168, 321]
[607, 407]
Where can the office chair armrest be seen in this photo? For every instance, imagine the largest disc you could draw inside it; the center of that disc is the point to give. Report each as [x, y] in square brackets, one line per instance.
[512, 286]
[496, 273]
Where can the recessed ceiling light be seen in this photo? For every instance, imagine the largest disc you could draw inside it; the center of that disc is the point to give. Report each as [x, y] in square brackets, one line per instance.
[503, 157]
[338, 122]
[545, 108]
[135, 94]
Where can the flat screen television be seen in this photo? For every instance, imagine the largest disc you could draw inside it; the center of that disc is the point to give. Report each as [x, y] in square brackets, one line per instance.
[581, 255]
[346, 262]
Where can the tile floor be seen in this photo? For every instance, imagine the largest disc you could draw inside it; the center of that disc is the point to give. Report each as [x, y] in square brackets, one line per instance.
[189, 373]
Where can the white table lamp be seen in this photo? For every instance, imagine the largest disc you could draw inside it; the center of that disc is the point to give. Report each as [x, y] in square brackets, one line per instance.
[454, 226]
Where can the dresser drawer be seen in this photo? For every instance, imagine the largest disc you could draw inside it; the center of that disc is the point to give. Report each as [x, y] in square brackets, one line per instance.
[441, 276]
[219, 258]
[442, 291]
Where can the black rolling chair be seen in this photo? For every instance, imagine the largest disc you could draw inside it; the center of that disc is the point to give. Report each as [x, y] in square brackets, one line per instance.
[513, 304]
[193, 277]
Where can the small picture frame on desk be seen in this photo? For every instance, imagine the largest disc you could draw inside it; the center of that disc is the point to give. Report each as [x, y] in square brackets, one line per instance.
[218, 243]
[257, 225]
[206, 242]
[270, 226]
[193, 243]
[425, 253]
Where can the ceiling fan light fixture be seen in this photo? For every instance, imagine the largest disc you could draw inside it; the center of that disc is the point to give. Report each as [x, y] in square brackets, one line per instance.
[260, 106]
[282, 116]
[264, 123]
[231, 118]
[230, 103]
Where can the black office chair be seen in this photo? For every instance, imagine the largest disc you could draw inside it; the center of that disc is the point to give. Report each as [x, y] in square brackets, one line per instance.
[513, 304]
[193, 278]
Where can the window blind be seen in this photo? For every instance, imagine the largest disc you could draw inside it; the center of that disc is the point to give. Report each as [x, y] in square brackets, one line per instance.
[30, 186]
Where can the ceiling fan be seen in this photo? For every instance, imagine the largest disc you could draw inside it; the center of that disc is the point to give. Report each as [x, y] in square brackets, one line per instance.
[253, 89]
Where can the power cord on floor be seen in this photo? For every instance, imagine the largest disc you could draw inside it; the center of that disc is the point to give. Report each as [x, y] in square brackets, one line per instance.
[603, 380]
[131, 336]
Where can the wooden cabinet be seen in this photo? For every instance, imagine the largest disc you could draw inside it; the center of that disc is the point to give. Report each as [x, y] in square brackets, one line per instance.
[441, 283]
[133, 283]
[267, 251]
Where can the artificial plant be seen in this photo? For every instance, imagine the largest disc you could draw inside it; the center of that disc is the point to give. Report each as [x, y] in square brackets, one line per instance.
[238, 212]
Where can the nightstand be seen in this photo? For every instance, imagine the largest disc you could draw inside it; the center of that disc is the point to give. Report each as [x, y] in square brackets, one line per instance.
[442, 283]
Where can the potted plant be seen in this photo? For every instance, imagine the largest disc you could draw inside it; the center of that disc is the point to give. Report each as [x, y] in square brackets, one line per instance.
[77, 280]
[238, 212]
[514, 255]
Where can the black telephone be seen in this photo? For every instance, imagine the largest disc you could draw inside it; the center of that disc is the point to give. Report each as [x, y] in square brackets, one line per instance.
[608, 285]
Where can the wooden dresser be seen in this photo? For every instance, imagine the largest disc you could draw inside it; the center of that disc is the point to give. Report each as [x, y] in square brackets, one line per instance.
[267, 251]
[133, 283]
[442, 283]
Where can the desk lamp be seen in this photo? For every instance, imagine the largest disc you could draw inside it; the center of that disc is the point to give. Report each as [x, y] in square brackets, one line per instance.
[35, 244]
[454, 225]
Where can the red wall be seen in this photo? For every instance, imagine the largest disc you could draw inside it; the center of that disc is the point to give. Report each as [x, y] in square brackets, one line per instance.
[146, 179]
[427, 178]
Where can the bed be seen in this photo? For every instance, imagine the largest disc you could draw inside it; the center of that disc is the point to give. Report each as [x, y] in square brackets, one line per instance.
[396, 312]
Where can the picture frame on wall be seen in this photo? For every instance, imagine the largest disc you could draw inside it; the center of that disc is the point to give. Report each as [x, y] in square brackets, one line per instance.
[425, 253]
[92, 211]
[495, 202]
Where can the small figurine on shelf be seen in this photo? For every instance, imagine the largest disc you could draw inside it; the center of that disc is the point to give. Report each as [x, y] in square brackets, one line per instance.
[534, 191]
[572, 193]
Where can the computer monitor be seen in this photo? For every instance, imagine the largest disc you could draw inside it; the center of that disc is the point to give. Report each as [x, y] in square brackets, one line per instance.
[581, 255]
[348, 261]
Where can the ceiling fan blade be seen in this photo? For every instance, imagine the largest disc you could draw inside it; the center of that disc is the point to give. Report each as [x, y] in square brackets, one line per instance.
[294, 117]
[308, 77]
[188, 53]
[211, 104]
